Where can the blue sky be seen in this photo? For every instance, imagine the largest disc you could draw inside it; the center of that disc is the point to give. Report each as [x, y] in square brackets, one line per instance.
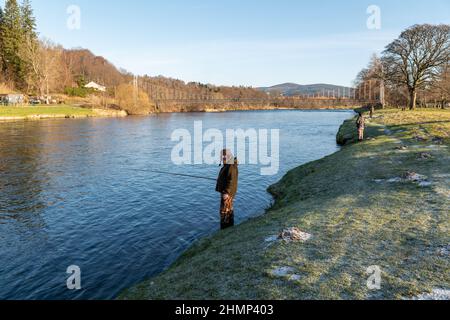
[246, 42]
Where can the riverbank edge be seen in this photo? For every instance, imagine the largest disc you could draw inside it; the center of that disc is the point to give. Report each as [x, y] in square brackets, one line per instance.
[93, 113]
[240, 254]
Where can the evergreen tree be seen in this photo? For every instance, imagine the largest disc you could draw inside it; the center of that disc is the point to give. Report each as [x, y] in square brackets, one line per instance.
[1, 46]
[17, 33]
[29, 43]
[11, 35]
[28, 20]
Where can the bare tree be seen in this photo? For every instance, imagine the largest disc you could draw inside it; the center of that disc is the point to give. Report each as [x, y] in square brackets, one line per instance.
[440, 89]
[31, 51]
[417, 57]
[46, 65]
[373, 77]
[133, 101]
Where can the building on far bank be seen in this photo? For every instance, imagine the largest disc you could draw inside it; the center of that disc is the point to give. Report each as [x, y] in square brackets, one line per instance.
[12, 99]
[95, 86]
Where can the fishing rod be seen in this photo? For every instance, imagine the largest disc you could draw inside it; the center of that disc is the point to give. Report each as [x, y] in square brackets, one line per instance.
[180, 174]
[177, 174]
[183, 175]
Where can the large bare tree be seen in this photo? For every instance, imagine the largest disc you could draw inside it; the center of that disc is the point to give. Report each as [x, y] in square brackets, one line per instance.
[417, 57]
[45, 64]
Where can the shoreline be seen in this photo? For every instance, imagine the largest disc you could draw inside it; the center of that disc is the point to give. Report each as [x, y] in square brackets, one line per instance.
[248, 260]
[108, 113]
[30, 113]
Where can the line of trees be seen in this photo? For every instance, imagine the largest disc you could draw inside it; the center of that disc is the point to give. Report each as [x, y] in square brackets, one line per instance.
[162, 88]
[417, 64]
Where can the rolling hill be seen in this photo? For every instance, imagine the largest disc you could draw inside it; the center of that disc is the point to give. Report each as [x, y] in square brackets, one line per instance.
[293, 89]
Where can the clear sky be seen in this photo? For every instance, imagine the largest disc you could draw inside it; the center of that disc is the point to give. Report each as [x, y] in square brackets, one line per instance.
[236, 42]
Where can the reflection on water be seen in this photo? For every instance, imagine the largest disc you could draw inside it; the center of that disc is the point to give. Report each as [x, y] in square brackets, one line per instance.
[77, 193]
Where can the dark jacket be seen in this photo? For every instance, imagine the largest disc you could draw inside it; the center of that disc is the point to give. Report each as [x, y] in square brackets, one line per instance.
[227, 182]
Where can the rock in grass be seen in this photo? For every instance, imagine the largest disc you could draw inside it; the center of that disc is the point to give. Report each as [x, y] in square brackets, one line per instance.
[421, 180]
[271, 239]
[281, 271]
[395, 180]
[425, 184]
[294, 235]
[414, 177]
[285, 272]
[444, 251]
[425, 156]
[420, 138]
[295, 277]
[438, 140]
[411, 176]
[289, 235]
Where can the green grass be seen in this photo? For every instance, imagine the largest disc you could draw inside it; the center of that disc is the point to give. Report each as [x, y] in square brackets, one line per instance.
[60, 110]
[356, 217]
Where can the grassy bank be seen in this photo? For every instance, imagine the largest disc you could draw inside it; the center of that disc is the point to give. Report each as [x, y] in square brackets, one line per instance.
[45, 112]
[361, 209]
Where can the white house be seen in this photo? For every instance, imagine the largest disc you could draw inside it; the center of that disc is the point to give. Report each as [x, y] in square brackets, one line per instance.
[95, 86]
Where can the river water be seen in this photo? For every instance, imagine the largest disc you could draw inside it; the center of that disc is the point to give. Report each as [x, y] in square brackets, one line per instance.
[81, 192]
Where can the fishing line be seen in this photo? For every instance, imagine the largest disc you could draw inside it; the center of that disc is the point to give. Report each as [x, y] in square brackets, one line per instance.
[176, 174]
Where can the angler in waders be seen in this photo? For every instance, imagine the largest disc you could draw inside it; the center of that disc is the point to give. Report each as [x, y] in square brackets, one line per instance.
[227, 185]
[372, 111]
[361, 125]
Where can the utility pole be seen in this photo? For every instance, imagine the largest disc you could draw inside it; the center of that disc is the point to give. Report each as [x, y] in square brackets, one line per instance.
[135, 90]
[382, 89]
[382, 94]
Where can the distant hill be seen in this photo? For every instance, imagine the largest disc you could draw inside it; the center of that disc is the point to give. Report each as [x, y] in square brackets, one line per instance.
[293, 89]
